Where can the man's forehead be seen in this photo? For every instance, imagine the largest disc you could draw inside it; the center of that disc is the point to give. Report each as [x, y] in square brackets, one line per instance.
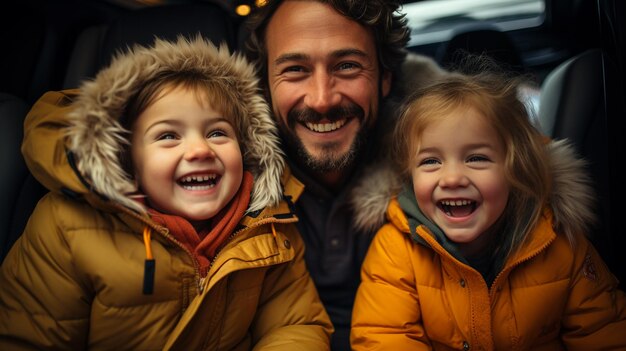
[303, 27]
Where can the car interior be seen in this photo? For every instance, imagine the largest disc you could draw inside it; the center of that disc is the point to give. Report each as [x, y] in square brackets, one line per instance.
[574, 51]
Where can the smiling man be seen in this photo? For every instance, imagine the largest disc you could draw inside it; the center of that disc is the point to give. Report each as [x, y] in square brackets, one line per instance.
[329, 70]
[325, 85]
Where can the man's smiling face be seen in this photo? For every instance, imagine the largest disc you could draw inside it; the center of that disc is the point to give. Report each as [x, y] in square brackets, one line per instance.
[324, 84]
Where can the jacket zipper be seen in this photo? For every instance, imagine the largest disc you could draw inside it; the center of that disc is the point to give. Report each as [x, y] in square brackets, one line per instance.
[164, 232]
[517, 263]
[233, 235]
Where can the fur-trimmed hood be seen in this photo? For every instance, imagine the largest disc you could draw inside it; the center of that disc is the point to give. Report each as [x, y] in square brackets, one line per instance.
[571, 199]
[95, 135]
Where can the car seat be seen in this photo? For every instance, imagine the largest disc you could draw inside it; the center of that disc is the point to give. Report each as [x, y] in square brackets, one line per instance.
[12, 110]
[96, 45]
[93, 50]
[581, 101]
[37, 39]
[480, 39]
[484, 39]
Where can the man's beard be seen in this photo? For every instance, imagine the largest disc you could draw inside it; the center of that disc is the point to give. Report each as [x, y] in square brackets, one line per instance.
[329, 160]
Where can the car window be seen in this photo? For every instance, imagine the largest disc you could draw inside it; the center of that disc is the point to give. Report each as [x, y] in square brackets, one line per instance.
[434, 21]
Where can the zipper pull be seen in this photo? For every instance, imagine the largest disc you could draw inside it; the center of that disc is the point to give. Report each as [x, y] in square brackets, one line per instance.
[148, 277]
[201, 285]
[149, 265]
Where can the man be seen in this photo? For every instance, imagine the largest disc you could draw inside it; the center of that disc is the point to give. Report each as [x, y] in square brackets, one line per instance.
[330, 69]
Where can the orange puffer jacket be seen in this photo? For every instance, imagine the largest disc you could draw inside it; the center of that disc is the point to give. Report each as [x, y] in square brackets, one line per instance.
[549, 296]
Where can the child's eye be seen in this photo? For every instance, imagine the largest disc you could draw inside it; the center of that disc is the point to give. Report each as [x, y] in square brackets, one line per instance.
[216, 133]
[477, 158]
[167, 136]
[429, 161]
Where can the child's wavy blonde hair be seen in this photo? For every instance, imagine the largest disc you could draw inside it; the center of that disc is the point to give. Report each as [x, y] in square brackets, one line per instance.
[496, 97]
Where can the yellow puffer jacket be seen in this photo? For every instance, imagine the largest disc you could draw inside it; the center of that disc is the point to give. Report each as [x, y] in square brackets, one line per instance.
[547, 297]
[79, 272]
[74, 279]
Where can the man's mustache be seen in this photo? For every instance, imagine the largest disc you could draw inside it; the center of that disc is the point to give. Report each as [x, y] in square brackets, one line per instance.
[334, 114]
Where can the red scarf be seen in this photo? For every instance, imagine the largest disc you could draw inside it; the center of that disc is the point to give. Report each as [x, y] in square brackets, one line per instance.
[204, 245]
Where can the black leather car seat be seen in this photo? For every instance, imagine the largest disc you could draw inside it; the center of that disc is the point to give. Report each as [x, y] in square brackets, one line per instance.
[481, 39]
[96, 45]
[484, 39]
[16, 183]
[581, 101]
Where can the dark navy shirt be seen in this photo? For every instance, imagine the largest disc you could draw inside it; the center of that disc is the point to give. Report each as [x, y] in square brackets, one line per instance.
[334, 251]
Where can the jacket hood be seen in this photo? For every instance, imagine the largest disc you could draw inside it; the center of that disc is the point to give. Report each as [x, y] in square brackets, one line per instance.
[95, 135]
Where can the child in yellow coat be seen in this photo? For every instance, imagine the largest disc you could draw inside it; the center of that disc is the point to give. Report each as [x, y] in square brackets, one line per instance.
[165, 227]
[477, 255]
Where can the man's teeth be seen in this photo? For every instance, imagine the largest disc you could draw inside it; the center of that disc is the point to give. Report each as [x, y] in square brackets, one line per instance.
[456, 203]
[325, 127]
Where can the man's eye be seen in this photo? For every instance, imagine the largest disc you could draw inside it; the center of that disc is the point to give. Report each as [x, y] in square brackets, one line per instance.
[347, 66]
[293, 69]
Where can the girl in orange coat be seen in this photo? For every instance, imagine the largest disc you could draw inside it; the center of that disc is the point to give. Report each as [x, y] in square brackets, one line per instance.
[481, 252]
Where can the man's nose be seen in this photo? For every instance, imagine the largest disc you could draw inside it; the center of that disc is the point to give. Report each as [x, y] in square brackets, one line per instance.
[321, 94]
[198, 148]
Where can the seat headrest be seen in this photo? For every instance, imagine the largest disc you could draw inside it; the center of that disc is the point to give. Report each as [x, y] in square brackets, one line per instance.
[167, 22]
[571, 95]
[481, 39]
[96, 46]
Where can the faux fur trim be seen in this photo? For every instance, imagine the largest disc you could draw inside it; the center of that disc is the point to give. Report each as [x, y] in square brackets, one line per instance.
[417, 72]
[95, 136]
[572, 199]
[371, 196]
[372, 192]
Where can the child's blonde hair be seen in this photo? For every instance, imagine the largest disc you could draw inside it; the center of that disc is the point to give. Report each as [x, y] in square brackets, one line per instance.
[494, 96]
[216, 93]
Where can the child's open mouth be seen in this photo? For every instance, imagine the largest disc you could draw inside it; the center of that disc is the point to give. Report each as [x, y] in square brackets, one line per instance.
[199, 182]
[457, 208]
